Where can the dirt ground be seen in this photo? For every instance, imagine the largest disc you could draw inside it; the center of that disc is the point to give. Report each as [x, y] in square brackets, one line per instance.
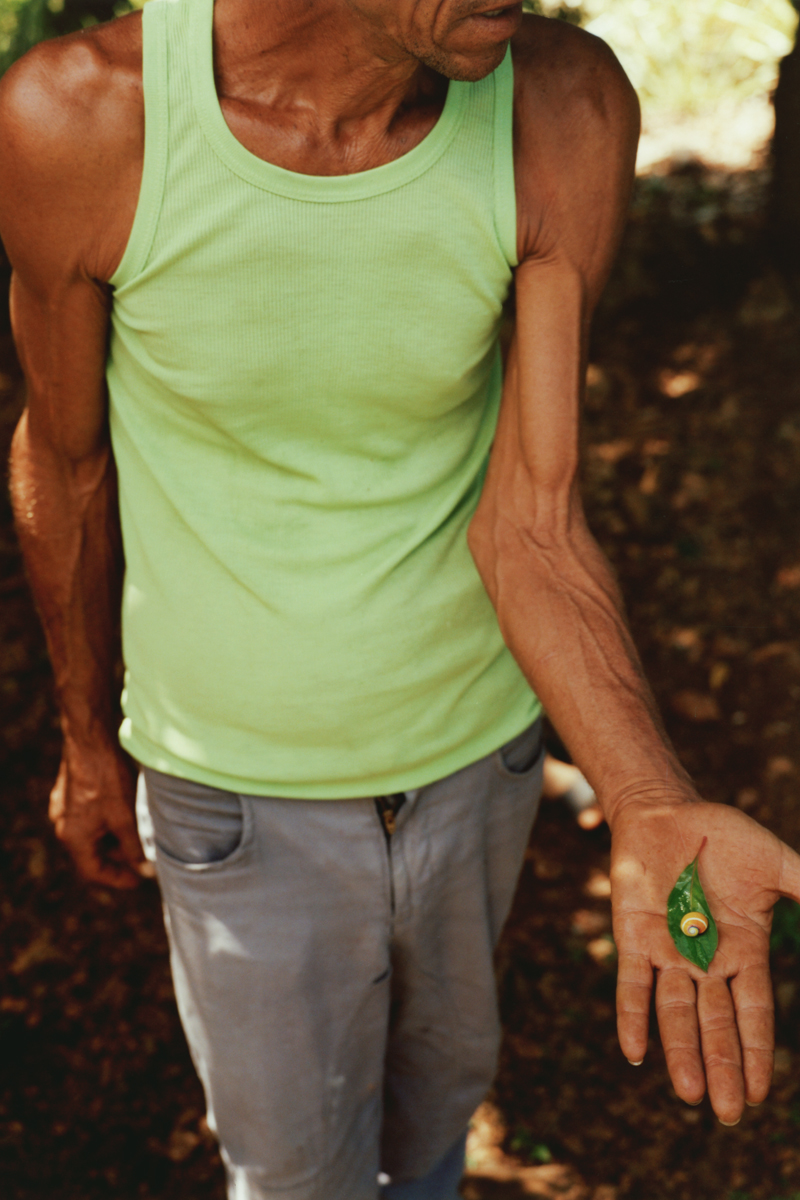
[692, 473]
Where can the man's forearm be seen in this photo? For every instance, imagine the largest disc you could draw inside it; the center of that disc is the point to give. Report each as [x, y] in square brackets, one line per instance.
[561, 615]
[67, 522]
[63, 480]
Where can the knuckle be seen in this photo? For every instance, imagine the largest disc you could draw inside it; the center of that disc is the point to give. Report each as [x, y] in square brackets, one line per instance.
[746, 1010]
[723, 1023]
[717, 1061]
[760, 1052]
[675, 978]
[675, 1004]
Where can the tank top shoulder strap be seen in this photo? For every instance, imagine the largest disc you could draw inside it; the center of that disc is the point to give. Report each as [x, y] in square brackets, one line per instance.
[155, 90]
[505, 200]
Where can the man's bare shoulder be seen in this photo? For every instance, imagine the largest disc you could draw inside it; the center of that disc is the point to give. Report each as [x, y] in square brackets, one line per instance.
[70, 94]
[563, 76]
[576, 128]
[71, 134]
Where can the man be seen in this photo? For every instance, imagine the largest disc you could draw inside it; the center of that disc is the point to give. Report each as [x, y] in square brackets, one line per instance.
[299, 236]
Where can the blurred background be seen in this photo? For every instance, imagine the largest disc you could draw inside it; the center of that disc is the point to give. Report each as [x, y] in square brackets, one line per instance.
[692, 481]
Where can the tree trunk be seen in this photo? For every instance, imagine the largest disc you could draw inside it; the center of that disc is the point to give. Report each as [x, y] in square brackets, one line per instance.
[784, 228]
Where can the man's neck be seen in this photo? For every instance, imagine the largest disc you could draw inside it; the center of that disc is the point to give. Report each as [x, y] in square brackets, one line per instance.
[318, 63]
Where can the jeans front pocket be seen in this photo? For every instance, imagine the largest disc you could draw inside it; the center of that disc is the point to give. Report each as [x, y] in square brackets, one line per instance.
[194, 826]
[519, 757]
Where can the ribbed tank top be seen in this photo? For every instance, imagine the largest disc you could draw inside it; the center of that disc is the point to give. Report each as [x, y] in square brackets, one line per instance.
[304, 382]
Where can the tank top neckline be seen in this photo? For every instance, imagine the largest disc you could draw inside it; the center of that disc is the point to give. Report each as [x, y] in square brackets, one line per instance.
[294, 184]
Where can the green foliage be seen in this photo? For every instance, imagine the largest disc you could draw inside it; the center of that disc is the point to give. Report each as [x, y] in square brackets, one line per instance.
[786, 928]
[23, 23]
[686, 897]
[563, 11]
[684, 57]
[524, 1144]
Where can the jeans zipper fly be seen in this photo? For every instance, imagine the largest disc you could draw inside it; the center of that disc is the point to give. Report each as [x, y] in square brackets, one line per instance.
[387, 808]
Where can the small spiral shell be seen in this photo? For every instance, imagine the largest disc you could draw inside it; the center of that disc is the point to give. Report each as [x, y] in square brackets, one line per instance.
[693, 924]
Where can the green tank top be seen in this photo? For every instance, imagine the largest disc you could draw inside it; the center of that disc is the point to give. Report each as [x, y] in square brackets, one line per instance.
[304, 381]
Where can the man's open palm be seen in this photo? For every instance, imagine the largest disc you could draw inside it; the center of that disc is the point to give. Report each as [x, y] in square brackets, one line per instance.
[717, 1028]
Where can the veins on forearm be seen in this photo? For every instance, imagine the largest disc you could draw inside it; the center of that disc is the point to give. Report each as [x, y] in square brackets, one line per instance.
[67, 523]
[562, 616]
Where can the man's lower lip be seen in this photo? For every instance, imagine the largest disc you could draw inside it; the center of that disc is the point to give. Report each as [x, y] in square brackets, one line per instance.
[504, 23]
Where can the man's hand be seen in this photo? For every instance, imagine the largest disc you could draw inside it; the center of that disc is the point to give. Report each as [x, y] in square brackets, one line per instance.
[92, 808]
[716, 1028]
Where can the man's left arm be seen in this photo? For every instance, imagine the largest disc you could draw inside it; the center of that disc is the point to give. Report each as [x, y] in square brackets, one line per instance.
[562, 616]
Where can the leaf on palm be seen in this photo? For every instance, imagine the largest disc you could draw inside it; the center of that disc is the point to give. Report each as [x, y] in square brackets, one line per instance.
[688, 897]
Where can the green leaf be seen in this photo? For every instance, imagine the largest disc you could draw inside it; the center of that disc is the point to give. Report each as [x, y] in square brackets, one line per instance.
[688, 896]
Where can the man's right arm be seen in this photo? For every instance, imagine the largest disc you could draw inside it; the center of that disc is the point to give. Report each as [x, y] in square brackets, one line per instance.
[71, 146]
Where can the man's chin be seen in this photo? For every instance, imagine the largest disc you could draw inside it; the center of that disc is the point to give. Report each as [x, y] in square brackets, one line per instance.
[466, 68]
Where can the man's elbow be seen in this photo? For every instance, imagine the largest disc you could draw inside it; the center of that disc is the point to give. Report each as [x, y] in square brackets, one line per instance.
[42, 468]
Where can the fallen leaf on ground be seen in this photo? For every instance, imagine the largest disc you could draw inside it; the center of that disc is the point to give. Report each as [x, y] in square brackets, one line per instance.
[598, 885]
[587, 921]
[601, 948]
[694, 487]
[695, 706]
[718, 675]
[41, 949]
[678, 383]
[778, 767]
[656, 446]
[611, 452]
[772, 650]
[746, 798]
[788, 577]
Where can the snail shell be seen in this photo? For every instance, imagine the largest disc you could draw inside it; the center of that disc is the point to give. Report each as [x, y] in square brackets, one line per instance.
[693, 924]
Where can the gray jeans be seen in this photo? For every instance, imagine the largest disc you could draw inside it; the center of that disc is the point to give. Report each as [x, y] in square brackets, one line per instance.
[333, 970]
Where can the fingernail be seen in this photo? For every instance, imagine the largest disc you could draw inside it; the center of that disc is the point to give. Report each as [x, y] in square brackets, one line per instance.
[730, 1124]
[636, 1064]
[695, 1103]
[754, 1103]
